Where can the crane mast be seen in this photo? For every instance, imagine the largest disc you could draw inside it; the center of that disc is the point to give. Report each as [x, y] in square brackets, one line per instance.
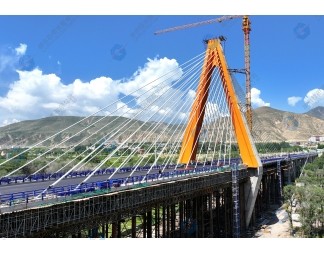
[246, 27]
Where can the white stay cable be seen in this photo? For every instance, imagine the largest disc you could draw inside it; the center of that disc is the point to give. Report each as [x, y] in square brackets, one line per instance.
[95, 170]
[152, 131]
[215, 119]
[156, 126]
[175, 117]
[115, 119]
[126, 140]
[94, 114]
[194, 110]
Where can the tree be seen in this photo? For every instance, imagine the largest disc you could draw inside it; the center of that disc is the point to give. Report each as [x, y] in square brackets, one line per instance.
[310, 198]
[288, 193]
[320, 146]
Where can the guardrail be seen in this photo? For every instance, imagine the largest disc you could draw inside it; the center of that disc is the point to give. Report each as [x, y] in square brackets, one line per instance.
[73, 174]
[70, 190]
[84, 173]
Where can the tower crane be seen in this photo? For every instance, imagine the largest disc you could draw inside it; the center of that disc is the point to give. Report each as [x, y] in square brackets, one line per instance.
[246, 27]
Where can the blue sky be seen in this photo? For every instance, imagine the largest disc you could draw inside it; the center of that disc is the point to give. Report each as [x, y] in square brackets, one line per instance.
[286, 51]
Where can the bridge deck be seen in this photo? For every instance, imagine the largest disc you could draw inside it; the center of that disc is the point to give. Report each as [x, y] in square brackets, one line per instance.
[110, 207]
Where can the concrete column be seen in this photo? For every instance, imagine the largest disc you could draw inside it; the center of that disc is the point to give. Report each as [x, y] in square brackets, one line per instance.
[168, 221]
[218, 205]
[211, 222]
[107, 229]
[133, 226]
[173, 218]
[181, 212]
[144, 225]
[114, 230]
[163, 222]
[157, 221]
[119, 229]
[149, 224]
[202, 203]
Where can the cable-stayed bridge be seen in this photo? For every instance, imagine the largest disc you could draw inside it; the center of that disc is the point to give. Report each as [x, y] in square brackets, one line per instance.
[185, 165]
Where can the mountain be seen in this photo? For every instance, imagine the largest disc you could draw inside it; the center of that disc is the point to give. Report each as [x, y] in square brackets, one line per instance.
[268, 125]
[275, 125]
[317, 112]
[26, 133]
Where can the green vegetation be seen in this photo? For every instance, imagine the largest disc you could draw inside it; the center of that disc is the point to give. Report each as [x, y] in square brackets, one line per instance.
[309, 195]
[320, 146]
[276, 147]
[120, 158]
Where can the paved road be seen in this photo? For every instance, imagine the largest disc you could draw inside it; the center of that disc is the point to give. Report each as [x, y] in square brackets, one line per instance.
[29, 186]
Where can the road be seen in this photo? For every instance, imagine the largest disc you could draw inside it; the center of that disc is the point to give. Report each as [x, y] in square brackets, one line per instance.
[30, 186]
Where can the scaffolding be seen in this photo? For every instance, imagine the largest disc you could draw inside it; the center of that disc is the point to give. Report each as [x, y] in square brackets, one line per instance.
[279, 179]
[111, 207]
[236, 202]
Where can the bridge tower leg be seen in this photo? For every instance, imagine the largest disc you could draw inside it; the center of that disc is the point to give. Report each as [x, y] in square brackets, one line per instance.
[215, 58]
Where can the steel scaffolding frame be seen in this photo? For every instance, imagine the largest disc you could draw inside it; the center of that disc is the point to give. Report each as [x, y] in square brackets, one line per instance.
[236, 202]
[109, 207]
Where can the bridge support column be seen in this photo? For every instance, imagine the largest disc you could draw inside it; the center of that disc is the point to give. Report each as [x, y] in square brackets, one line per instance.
[268, 184]
[114, 231]
[133, 226]
[294, 170]
[242, 208]
[279, 180]
[230, 212]
[289, 172]
[102, 231]
[107, 230]
[149, 224]
[202, 203]
[252, 188]
[210, 209]
[264, 192]
[195, 216]
[168, 221]
[273, 188]
[173, 218]
[181, 215]
[218, 205]
[157, 221]
[163, 222]
[144, 225]
[119, 229]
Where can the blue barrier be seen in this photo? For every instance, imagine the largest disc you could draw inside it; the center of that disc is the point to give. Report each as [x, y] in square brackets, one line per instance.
[88, 187]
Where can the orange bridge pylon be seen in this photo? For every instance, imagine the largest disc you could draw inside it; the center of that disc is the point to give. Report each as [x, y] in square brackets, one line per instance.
[215, 58]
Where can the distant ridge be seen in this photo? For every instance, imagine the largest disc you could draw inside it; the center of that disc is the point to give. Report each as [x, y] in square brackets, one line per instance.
[277, 125]
[269, 125]
[317, 112]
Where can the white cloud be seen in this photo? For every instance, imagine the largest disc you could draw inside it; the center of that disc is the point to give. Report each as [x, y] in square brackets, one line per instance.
[256, 99]
[11, 59]
[21, 50]
[36, 95]
[314, 97]
[292, 101]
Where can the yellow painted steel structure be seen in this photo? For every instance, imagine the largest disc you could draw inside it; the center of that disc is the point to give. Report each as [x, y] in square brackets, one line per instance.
[215, 58]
